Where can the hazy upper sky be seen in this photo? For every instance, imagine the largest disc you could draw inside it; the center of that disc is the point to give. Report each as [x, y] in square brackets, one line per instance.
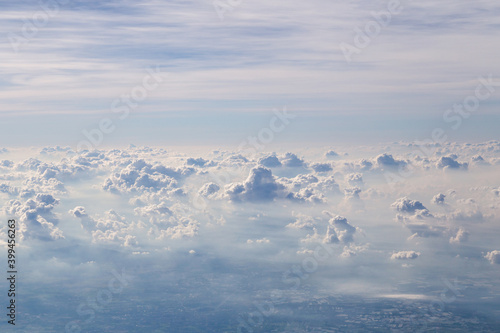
[63, 68]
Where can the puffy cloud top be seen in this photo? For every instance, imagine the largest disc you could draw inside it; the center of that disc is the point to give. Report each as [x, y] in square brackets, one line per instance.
[405, 255]
[259, 186]
[196, 161]
[270, 161]
[78, 212]
[460, 237]
[354, 179]
[450, 162]
[140, 176]
[406, 205]
[208, 189]
[322, 167]
[6, 164]
[344, 231]
[438, 199]
[331, 154]
[493, 257]
[386, 160]
[291, 160]
[36, 217]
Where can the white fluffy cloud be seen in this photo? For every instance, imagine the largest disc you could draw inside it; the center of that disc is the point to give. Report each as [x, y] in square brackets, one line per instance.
[450, 162]
[260, 186]
[438, 199]
[338, 230]
[461, 236]
[292, 161]
[321, 167]
[270, 161]
[331, 154]
[405, 255]
[36, 217]
[388, 161]
[209, 190]
[405, 205]
[493, 257]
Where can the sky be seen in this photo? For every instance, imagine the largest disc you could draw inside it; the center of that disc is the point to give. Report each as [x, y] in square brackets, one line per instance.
[247, 166]
[66, 65]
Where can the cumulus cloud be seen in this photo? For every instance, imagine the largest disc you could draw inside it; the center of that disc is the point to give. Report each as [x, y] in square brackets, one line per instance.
[260, 186]
[405, 205]
[421, 223]
[292, 161]
[352, 193]
[450, 162]
[438, 199]
[321, 167]
[405, 255]
[348, 252]
[36, 217]
[339, 230]
[140, 176]
[303, 187]
[461, 236]
[270, 161]
[466, 215]
[233, 160]
[112, 227]
[154, 211]
[425, 230]
[388, 161]
[327, 185]
[302, 221]
[6, 164]
[343, 229]
[478, 160]
[209, 189]
[331, 154]
[78, 212]
[259, 241]
[185, 227]
[493, 257]
[354, 179]
[56, 149]
[200, 162]
[299, 181]
[331, 236]
[8, 189]
[306, 194]
[362, 165]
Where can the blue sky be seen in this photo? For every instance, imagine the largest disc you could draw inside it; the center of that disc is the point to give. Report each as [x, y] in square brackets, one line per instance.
[259, 57]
